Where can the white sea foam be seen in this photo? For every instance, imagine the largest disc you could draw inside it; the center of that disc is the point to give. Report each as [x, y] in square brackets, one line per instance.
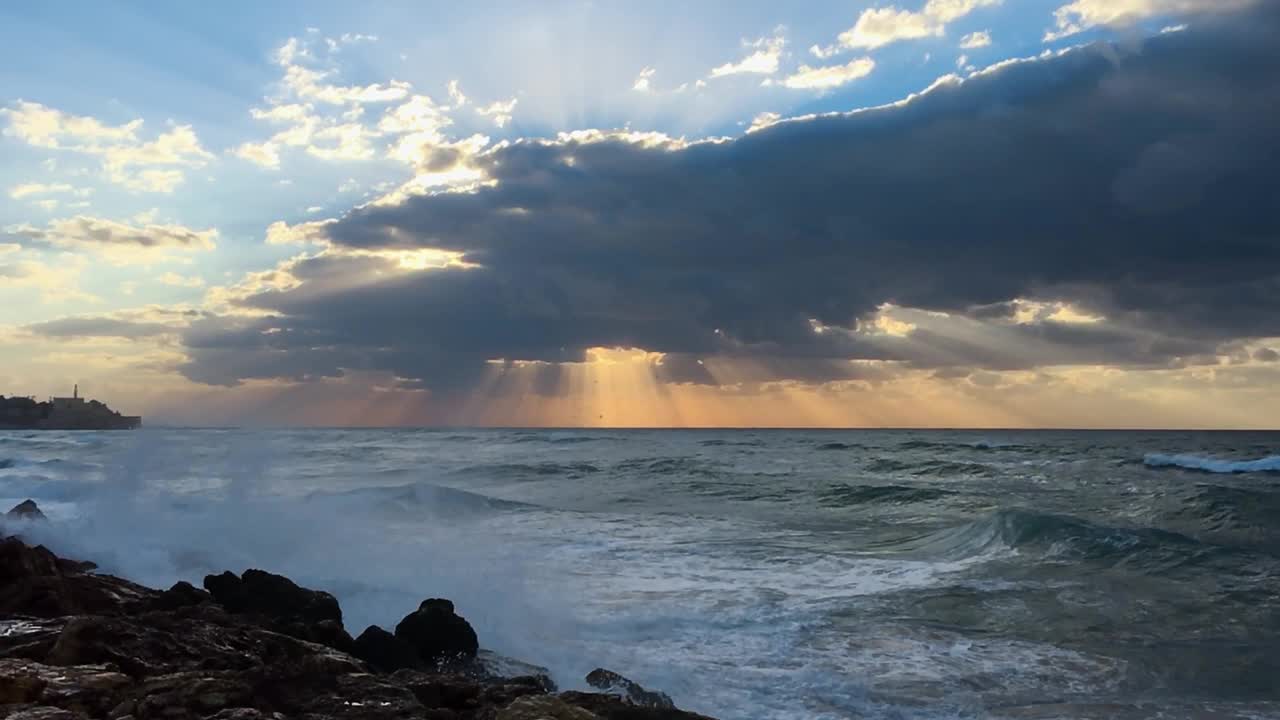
[1213, 465]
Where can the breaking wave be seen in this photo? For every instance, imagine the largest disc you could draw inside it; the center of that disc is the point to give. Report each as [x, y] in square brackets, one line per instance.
[1269, 464]
[1063, 538]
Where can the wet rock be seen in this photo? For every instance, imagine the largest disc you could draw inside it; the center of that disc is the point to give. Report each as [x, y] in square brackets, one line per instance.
[182, 594]
[112, 649]
[612, 682]
[612, 707]
[439, 635]
[282, 605]
[490, 665]
[546, 707]
[42, 712]
[197, 638]
[25, 510]
[35, 582]
[195, 693]
[245, 713]
[91, 689]
[385, 651]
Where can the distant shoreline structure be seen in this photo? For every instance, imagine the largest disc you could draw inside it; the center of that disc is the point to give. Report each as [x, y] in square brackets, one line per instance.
[62, 413]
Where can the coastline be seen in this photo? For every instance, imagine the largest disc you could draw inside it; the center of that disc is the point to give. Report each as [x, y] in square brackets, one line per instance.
[78, 644]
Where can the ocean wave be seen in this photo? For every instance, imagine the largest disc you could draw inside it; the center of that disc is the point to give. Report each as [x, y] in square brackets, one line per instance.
[440, 500]
[1223, 509]
[889, 494]
[1063, 538]
[542, 469]
[730, 443]
[560, 439]
[837, 446]
[994, 445]
[1198, 463]
[668, 466]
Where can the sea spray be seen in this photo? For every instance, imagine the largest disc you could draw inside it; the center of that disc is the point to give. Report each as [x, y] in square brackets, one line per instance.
[379, 563]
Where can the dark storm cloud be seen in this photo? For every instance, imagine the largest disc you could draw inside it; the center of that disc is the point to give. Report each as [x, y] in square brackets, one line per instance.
[1138, 184]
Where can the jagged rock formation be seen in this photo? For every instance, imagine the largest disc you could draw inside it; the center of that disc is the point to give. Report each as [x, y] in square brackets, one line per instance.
[76, 644]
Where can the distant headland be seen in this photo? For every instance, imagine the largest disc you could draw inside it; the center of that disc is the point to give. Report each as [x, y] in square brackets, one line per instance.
[62, 413]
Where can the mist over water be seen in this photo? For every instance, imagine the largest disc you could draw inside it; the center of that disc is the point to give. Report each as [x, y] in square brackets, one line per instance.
[751, 574]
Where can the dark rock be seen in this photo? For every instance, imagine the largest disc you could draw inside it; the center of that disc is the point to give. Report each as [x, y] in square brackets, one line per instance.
[610, 681]
[112, 649]
[440, 636]
[41, 712]
[26, 510]
[272, 595]
[384, 651]
[182, 594]
[489, 665]
[612, 707]
[19, 561]
[282, 605]
[91, 689]
[547, 707]
[188, 694]
[34, 581]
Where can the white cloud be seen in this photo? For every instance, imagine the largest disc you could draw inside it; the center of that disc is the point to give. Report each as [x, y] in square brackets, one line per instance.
[499, 110]
[350, 141]
[642, 80]
[975, 40]
[46, 127]
[314, 209]
[176, 280]
[55, 279]
[18, 192]
[764, 120]
[266, 154]
[455, 94]
[126, 159]
[1078, 16]
[309, 84]
[763, 61]
[281, 233]
[877, 27]
[420, 113]
[822, 78]
[962, 61]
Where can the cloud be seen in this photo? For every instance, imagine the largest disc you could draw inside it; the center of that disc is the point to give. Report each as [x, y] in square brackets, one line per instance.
[1080, 15]
[327, 120]
[975, 40]
[127, 160]
[455, 94]
[117, 242]
[132, 324]
[499, 110]
[266, 154]
[763, 61]
[1104, 206]
[175, 280]
[18, 192]
[877, 27]
[642, 80]
[822, 78]
[54, 278]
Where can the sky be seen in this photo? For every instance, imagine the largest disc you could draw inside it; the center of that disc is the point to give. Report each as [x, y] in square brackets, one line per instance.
[924, 213]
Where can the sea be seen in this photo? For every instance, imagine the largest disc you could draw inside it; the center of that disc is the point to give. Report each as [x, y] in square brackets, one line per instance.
[750, 574]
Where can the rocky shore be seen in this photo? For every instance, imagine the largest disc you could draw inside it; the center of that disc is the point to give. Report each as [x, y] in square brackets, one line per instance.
[75, 643]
